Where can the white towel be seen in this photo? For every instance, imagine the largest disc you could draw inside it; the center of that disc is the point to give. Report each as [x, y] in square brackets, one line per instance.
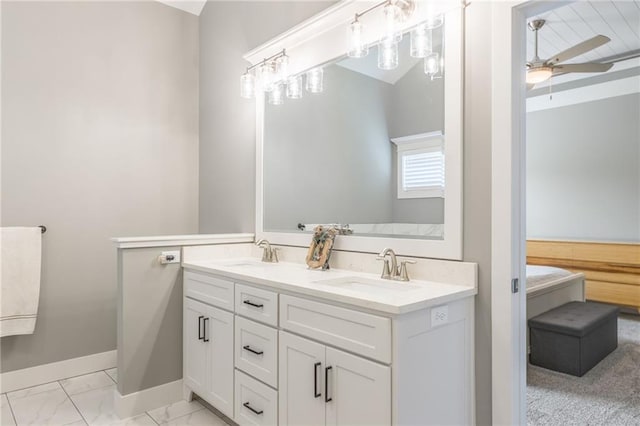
[20, 262]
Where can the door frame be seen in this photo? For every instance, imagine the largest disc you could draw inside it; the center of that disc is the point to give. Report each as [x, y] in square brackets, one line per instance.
[508, 242]
[508, 362]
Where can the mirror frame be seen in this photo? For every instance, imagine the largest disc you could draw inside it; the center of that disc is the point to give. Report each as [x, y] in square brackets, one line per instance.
[322, 39]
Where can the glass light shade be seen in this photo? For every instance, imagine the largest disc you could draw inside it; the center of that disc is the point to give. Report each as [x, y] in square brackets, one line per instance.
[538, 75]
[357, 47]
[388, 54]
[294, 87]
[276, 95]
[267, 76]
[392, 15]
[434, 21]
[282, 66]
[432, 64]
[247, 85]
[421, 42]
[314, 80]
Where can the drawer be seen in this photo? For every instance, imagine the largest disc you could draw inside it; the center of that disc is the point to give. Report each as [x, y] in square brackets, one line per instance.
[365, 334]
[256, 403]
[256, 351]
[258, 304]
[209, 289]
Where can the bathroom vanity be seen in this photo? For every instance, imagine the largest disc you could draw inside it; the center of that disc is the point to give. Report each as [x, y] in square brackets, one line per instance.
[277, 343]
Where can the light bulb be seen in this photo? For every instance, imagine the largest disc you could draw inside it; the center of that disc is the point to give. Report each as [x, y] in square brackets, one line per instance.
[432, 64]
[276, 95]
[421, 41]
[357, 47]
[247, 85]
[388, 54]
[314, 80]
[294, 87]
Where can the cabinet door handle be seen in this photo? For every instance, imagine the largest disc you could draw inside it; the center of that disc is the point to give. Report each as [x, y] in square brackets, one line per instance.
[246, 404]
[200, 336]
[204, 326]
[253, 351]
[250, 303]
[326, 384]
[316, 394]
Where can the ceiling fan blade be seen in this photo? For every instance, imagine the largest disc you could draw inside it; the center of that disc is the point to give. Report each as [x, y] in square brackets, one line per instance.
[578, 49]
[588, 67]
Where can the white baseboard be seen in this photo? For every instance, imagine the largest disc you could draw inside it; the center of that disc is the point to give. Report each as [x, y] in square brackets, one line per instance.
[138, 402]
[46, 373]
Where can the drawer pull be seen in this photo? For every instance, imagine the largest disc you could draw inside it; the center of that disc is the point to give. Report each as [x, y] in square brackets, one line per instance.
[204, 326]
[253, 351]
[246, 404]
[200, 337]
[316, 394]
[326, 384]
[250, 303]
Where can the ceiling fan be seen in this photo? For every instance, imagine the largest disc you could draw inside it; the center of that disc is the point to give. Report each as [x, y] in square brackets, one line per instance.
[541, 70]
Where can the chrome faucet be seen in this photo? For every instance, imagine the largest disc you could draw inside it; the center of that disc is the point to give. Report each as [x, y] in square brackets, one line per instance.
[388, 271]
[391, 271]
[269, 254]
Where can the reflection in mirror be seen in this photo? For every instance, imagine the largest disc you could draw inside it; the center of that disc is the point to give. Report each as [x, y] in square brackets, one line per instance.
[367, 151]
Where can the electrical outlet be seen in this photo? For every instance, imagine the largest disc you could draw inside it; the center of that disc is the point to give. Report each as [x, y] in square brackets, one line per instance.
[169, 257]
[439, 315]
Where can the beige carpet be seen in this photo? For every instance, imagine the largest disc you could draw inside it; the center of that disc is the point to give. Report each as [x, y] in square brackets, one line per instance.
[608, 395]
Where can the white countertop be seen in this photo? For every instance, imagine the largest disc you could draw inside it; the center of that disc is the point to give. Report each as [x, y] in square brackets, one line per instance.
[181, 240]
[338, 285]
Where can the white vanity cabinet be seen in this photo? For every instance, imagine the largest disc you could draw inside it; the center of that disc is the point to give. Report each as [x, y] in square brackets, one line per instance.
[321, 385]
[283, 357]
[208, 353]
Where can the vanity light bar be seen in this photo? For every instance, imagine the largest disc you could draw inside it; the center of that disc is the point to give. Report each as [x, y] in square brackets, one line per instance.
[396, 11]
[271, 76]
[271, 59]
[374, 7]
[271, 70]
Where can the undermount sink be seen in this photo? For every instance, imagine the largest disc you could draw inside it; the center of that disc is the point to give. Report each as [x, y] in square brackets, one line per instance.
[368, 284]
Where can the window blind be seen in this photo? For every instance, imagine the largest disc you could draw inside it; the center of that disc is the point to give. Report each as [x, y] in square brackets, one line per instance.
[423, 171]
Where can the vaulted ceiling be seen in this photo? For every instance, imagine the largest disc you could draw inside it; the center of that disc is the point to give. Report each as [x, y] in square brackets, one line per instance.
[192, 6]
[577, 21]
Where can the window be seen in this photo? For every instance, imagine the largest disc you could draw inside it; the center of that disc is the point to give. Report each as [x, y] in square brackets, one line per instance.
[420, 165]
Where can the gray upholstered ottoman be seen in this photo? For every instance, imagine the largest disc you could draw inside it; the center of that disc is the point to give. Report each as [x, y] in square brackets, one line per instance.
[574, 337]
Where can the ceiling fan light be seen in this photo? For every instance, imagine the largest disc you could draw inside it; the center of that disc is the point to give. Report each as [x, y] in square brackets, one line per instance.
[538, 75]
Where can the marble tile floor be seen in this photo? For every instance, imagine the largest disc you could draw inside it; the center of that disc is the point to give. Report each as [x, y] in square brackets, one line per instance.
[88, 400]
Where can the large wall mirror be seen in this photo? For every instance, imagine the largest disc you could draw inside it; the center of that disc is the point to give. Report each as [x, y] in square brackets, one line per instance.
[376, 151]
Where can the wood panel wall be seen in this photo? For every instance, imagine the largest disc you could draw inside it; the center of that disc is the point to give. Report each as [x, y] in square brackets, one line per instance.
[612, 270]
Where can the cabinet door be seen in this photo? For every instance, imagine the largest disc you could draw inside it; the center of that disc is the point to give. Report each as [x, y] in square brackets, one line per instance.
[301, 387]
[194, 347]
[218, 332]
[360, 390]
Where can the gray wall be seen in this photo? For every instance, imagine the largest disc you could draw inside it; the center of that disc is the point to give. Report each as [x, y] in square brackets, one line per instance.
[417, 106]
[477, 189]
[149, 320]
[228, 30]
[337, 173]
[229, 206]
[583, 171]
[99, 139]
